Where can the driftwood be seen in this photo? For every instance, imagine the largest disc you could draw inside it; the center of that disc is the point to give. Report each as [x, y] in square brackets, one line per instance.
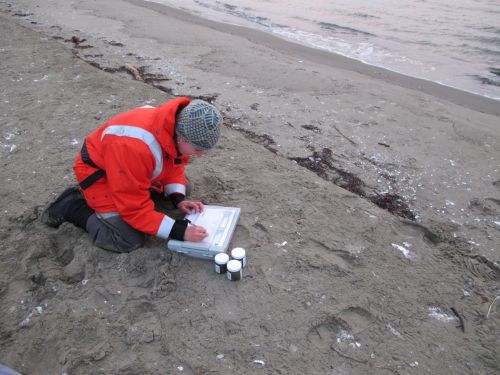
[345, 136]
[134, 71]
[461, 320]
[491, 305]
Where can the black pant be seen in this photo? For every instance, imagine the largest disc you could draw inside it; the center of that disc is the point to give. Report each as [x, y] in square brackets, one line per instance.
[113, 233]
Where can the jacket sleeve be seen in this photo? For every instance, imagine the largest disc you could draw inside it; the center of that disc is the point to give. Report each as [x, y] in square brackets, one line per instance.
[175, 183]
[129, 167]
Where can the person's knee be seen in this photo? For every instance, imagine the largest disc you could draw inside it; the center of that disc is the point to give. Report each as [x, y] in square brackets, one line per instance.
[132, 244]
[121, 246]
[114, 234]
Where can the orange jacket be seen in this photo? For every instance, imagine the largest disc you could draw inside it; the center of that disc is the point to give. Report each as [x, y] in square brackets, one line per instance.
[137, 151]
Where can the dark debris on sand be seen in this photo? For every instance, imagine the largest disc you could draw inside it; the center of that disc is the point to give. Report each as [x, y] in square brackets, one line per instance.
[322, 163]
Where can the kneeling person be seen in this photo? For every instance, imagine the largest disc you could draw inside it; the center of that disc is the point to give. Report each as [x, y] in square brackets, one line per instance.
[123, 160]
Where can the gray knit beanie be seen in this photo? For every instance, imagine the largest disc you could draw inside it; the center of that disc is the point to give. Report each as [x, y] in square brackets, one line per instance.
[199, 123]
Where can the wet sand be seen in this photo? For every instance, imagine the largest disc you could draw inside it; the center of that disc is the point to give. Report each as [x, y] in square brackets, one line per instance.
[369, 209]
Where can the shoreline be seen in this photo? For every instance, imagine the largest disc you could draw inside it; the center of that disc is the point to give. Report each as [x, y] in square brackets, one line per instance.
[463, 98]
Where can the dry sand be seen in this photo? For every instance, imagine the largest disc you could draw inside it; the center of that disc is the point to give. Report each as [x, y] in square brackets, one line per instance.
[335, 284]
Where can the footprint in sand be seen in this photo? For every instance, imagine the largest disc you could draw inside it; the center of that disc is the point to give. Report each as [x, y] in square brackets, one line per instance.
[325, 332]
[328, 331]
[357, 318]
[417, 230]
[322, 255]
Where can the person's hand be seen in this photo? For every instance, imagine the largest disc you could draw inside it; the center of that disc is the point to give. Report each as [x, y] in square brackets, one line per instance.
[189, 207]
[195, 233]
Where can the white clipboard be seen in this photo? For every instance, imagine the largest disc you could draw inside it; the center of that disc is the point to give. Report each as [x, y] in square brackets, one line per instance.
[220, 223]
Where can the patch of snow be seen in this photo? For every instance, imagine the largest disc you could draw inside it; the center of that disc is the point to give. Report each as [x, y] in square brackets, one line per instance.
[437, 313]
[44, 78]
[406, 252]
[8, 147]
[344, 335]
[393, 330]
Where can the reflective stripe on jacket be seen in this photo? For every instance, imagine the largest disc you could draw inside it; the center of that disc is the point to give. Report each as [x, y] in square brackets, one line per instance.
[137, 151]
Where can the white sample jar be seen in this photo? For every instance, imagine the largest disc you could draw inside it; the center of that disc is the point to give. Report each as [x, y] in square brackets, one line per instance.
[238, 253]
[234, 272]
[221, 260]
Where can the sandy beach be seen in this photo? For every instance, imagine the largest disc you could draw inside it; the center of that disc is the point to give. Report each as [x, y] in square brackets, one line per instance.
[370, 206]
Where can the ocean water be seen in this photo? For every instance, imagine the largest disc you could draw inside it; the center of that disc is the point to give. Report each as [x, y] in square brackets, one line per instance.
[452, 42]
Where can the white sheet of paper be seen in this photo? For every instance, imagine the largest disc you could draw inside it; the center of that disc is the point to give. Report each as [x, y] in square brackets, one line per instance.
[215, 221]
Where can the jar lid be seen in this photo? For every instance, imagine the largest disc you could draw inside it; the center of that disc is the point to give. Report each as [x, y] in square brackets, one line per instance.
[238, 253]
[221, 258]
[234, 266]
